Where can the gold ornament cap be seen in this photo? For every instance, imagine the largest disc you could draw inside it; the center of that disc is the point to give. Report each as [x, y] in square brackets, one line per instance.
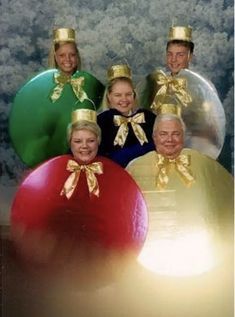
[84, 115]
[63, 35]
[183, 33]
[117, 71]
[169, 108]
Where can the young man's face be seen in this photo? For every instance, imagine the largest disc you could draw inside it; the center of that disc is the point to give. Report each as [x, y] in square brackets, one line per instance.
[177, 57]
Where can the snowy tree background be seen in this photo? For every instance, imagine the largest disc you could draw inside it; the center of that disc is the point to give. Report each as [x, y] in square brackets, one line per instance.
[131, 30]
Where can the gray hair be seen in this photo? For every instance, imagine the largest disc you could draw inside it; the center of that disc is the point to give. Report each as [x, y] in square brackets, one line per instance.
[168, 117]
[84, 125]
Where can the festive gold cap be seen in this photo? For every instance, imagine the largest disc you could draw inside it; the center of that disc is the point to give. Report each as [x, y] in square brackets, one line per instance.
[84, 114]
[168, 108]
[183, 33]
[64, 35]
[117, 71]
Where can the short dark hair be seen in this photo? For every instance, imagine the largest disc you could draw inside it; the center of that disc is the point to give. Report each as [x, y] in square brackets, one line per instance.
[189, 45]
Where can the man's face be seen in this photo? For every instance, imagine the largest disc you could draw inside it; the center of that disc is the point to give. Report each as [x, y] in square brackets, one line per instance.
[169, 138]
[177, 57]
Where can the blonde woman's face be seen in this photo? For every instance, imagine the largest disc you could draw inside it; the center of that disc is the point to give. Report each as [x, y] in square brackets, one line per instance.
[121, 97]
[66, 58]
[84, 145]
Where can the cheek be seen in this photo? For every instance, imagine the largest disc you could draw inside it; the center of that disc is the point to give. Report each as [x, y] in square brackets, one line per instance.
[184, 61]
[178, 142]
[57, 58]
[157, 141]
[74, 147]
[95, 147]
[113, 101]
[168, 58]
[74, 59]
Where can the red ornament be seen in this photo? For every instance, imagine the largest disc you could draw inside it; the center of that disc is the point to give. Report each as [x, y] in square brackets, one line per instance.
[114, 222]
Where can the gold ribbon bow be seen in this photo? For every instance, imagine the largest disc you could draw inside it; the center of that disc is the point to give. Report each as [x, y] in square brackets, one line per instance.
[76, 83]
[181, 164]
[72, 180]
[122, 123]
[171, 85]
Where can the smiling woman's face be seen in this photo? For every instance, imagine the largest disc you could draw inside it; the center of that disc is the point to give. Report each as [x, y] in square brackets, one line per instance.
[66, 57]
[121, 97]
[84, 145]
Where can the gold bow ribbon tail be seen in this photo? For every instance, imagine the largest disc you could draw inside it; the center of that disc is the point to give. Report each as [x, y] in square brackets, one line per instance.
[182, 166]
[76, 84]
[170, 85]
[90, 170]
[122, 123]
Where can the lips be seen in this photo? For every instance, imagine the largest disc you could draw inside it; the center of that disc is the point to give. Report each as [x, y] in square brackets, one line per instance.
[124, 104]
[85, 153]
[68, 66]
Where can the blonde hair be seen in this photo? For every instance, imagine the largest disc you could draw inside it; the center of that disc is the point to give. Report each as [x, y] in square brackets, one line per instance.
[83, 125]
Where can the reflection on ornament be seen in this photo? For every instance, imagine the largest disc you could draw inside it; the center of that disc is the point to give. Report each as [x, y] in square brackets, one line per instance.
[204, 116]
[190, 228]
[189, 253]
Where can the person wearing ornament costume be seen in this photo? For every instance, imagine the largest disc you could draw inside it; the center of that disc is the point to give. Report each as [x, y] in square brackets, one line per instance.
[179, 48]
[190, 202]
[41, 109]
[66, 207]
[126, 128]
[64, 54]
[202, 110]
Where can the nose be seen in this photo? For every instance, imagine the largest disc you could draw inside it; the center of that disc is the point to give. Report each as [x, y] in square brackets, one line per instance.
[67, 57]
[84, 144]
[169, 138]
[173, 58]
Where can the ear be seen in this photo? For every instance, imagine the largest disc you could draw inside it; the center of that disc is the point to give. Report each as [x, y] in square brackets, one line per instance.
[190, 57]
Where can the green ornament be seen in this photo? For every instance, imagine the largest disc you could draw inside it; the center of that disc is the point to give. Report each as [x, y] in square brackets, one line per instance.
[38, 123]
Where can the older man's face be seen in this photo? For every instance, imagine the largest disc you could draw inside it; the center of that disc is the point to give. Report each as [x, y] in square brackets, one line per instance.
[169, 138]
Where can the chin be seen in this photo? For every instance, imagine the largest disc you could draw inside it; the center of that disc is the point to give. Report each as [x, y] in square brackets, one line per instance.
[170, 154]
[83, 160]
[175, 71]
[86, 161]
